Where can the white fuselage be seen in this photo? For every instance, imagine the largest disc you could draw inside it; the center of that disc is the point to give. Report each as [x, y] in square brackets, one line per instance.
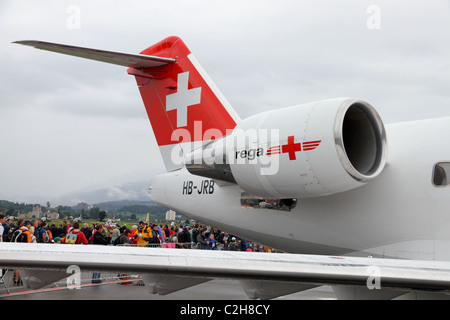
[400, 214]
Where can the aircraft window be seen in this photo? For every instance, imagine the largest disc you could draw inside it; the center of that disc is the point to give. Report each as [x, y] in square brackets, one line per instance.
[252, 202]
[441, 174]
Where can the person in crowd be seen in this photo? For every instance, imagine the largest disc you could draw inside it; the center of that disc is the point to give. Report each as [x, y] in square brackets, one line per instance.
[65, 227]
[115, 233]
[23, 234]
[57, 240]
[158, 237]
[234, 246]
[9, 229]
[211, 243]
[244, 245]
[215, 232]
[75, 236]
[132, 232]
[201, 239]
[45, 235]
[194, 233]
[54, 230]
[60, 233]
[98, 239]
[86, 230]
[123, 238]
[184, 235]
[2, 232]
[184, 238]
[143, 234]
[33, 226]
[2, 228]
[223, 240]
[172, 230]
[166, 231]
[173, 238]
[108, 234]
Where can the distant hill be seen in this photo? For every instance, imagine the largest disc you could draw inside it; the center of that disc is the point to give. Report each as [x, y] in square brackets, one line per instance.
[124, 209]
[9, 208]
[128, 199]
[129, 207]
[133, 191]
[116, 206]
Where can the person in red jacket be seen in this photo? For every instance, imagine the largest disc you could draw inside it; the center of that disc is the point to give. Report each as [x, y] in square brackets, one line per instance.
[75, 236]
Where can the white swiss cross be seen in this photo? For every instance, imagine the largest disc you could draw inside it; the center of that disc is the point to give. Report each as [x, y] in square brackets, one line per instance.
[183, 98]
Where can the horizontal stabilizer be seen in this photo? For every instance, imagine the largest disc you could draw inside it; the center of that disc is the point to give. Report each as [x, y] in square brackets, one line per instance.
[121, 59]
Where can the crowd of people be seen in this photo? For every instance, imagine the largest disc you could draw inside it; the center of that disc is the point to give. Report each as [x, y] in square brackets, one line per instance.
[142, 235]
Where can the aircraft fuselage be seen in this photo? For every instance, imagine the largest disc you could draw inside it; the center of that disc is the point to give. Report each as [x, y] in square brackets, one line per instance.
[400, 214]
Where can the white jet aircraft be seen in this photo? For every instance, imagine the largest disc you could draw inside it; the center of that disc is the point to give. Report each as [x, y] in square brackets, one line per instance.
[314, 180]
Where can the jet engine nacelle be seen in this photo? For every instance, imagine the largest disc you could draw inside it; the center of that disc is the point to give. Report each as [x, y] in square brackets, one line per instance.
[308, 150]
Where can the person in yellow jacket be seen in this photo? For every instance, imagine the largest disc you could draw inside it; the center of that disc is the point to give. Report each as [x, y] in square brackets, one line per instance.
[143, 234]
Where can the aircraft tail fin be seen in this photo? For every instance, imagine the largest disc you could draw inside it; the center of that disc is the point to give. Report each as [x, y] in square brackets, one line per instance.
[184, 106]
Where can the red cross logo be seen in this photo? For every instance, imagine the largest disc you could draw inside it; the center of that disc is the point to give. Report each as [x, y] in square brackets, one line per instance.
[291, 148]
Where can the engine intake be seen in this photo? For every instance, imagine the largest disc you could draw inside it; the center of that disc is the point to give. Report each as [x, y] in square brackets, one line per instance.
[360, 140]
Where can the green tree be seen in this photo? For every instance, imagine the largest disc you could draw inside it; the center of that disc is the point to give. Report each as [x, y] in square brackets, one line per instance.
[94, 212]
[101, 215]
[11, 212]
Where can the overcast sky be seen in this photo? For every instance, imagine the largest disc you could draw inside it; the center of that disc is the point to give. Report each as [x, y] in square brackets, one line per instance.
[70, 124]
